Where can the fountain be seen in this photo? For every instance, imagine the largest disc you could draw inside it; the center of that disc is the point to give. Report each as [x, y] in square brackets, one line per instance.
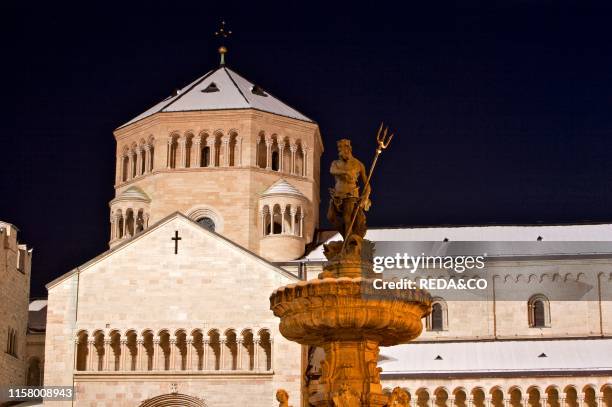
[340, 311]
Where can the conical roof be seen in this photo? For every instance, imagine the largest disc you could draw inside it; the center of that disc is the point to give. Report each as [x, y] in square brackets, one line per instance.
[133, 194]
[282, 187]
[221, 89]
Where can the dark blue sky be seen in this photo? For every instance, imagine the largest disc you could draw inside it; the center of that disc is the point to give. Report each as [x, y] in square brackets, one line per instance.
[502, 113]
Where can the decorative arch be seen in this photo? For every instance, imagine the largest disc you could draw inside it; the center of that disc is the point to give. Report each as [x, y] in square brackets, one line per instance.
[437, 320]
[538, 310]
[204, 215]
[173, 400]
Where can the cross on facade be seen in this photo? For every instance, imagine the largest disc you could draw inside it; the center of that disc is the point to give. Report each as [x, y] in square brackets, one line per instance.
[176, 238]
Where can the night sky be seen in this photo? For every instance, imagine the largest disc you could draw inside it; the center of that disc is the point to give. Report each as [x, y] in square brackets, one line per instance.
[502, 114]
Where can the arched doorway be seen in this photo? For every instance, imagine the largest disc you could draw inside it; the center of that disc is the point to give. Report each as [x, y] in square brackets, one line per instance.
[33, 375]
[173, 400]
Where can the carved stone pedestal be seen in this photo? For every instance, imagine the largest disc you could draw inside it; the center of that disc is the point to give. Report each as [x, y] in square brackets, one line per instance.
[349, 376]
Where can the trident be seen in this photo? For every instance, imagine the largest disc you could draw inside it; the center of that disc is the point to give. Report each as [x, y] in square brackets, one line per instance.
[383, 142]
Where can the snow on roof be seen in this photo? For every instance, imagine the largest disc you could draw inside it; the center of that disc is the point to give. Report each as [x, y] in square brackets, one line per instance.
[497, 357]
[556, 233]
[133, 194]
[37, 305]
[282, 187]
[230, 91]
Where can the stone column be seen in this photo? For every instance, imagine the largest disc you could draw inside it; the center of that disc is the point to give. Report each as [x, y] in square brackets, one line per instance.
[226, 151]
[141, 355]
[139, 160]
[130, 171]
[222, 341]
[281, 161]
[293, 214]
[205, 354]
[107, 355]
[561, 401]
[487, 402]
[451, 401]
[268, 153]
[212, 156]
[197, 148]
[156, 354]
[124, 234]
[238, 151]
[600, 400]
[123, 362]
[283, 211]
[189, 355]
[302, 223]
[112, 227]
[173, 351]
[256, 354]
[470, 400]
[581, 400]
[76, 354]
[169, 153]
[91, 355]
[263, 221]
[544, 401]
[239, 354]
[293, 148]
[182, 142]
[306, 151]
[147, 157]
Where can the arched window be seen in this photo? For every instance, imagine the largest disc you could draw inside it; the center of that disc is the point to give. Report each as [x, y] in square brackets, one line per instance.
[11, 346]
[264, 361]
[205, 161]
[438, 319]
[82, 351]
[275, 161]
[538, 308]
[125, 168]
[277, 220]
[207, 223]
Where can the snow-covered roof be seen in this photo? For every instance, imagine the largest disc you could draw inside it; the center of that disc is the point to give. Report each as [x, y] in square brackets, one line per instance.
[221, 89]
[133, 194]
[497, 357]
[37, 316]
[556, 233]
[282, 187]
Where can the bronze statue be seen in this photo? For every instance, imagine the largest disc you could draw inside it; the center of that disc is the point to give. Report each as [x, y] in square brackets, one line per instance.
[399, 398]
[283, 398]
[345, 198]
[347, 205]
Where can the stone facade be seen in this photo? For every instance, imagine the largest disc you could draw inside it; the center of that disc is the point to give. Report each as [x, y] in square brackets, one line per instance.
[140, 320]
[15, 263]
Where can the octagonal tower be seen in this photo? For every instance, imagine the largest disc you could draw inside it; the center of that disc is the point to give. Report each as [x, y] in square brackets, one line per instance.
[214, 151]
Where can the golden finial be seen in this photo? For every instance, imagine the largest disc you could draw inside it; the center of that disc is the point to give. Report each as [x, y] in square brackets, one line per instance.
[223, 34]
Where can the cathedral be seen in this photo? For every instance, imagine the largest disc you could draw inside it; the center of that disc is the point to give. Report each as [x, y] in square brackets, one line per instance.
[217, 196]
